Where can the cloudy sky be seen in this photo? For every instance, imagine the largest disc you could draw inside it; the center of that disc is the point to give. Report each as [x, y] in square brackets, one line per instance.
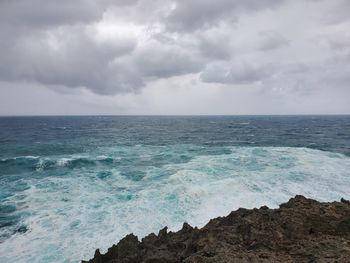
[174, 57]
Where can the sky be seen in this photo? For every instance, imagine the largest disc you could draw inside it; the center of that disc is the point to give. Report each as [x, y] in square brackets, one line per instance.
[176, 57]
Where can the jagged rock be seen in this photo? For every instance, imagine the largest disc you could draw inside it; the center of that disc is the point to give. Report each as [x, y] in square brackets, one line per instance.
[301, 230]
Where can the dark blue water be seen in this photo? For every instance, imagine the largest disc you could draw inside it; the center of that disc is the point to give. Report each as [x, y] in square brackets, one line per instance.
[71, 184]
[68, 135]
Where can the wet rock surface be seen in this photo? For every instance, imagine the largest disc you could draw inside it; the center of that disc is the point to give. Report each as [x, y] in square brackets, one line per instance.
[301, 230]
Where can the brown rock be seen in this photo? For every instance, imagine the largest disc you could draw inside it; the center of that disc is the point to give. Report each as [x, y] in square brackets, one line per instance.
[301, 230]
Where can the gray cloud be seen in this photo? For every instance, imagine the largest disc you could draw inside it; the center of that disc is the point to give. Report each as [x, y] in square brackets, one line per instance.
[198, 14]
[215, 48]
[337, 12]
[271, 40]
[72, 60]
[339, 43]
[36, 13]
[237, 73]
[112, 47]
[166, 62]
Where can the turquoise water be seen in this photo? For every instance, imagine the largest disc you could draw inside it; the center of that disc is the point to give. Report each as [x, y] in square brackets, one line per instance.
[69, 185]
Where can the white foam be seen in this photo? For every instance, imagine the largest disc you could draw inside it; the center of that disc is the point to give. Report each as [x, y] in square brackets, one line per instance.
[63, 161]
[30, 157]
[72, 216]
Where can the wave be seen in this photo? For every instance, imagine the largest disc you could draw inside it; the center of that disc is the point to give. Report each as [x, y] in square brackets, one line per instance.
[22, 164]
[135, 156]
[68, 217]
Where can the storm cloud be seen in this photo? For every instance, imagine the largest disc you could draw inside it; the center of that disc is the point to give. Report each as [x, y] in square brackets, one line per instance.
[294, 48]
[198, 14]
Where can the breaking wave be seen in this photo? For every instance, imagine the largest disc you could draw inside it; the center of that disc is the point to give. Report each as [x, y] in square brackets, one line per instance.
[64, 207]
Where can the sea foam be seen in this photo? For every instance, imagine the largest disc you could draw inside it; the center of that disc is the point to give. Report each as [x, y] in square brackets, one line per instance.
[91, 201]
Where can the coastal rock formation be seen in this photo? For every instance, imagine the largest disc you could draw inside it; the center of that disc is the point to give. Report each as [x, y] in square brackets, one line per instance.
[301, 230]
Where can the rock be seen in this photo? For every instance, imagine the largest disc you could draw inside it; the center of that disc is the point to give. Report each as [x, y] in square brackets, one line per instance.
[301, 230]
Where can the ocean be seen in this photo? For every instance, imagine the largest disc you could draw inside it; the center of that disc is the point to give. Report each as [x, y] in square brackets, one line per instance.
[69, 185]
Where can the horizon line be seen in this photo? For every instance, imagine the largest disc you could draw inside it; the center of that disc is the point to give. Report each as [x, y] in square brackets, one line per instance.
[172, 115]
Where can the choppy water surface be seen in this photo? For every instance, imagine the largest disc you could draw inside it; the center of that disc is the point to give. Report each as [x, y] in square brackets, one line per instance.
[69, 185]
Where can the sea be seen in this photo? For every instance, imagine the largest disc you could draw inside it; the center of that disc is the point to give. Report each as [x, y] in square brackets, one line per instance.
[70, 185]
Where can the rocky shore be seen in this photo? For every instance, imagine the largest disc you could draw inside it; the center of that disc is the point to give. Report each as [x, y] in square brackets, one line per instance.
[301, 230]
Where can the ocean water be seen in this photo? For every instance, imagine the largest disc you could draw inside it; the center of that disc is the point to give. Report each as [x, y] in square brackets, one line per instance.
[69, 185]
